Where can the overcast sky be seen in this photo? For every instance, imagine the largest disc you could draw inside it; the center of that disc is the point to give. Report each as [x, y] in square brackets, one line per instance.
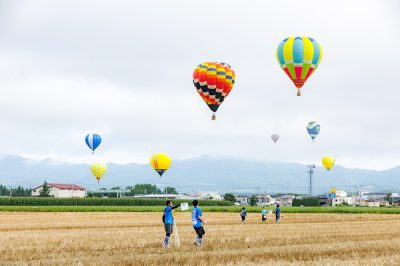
[123, 69]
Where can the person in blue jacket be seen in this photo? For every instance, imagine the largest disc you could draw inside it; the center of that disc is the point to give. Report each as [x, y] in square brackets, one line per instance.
[168, 220]
[277, 214]
[198, 221]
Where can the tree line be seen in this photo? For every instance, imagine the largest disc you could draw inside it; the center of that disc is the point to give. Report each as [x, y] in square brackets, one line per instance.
[15, 192]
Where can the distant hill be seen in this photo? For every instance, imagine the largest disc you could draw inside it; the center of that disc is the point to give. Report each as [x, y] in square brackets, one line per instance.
[201, 173]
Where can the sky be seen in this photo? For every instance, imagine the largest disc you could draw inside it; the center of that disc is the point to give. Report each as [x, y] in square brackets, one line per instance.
[123, 69]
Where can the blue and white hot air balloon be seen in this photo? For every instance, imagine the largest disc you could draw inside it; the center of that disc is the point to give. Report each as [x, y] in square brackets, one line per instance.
[313, 129]
[93, 141]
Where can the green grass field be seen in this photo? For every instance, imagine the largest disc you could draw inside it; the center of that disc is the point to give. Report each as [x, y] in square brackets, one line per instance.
[382, 210]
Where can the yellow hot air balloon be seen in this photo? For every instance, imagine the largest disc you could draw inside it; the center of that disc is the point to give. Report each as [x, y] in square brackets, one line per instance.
[328, 162]
[98, 170]
[160, 162]
[333, 190]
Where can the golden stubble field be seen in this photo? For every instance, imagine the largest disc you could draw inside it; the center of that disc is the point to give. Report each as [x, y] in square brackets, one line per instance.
[135, 239]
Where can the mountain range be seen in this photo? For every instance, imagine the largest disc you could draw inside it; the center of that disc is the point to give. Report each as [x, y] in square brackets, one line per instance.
[204, 173]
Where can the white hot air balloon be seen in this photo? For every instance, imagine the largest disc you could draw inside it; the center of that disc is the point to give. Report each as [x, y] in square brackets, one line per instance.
[275, 137]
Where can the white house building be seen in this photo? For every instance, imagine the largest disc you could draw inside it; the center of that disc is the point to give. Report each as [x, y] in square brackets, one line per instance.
[208, 196]
[242, 200]
[285, 200]
[342, 198]
[264, 199]
[62, 191]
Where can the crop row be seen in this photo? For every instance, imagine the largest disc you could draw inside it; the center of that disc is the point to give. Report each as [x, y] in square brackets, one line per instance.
[37, 201]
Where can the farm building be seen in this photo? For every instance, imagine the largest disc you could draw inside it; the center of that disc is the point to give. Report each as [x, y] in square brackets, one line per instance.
[61, 191]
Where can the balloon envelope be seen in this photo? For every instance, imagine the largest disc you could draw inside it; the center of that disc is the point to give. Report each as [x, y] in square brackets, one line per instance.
[213, 81]
[160, 162]
[328, 162]
[299, 57]
[275, 137]
[93, 141]
[98, 170]
[313, 129]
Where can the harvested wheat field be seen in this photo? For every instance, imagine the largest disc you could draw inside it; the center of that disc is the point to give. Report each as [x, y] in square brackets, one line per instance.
[135, 239]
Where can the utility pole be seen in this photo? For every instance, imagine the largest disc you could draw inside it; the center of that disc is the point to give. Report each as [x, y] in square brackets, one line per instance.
[310, 172]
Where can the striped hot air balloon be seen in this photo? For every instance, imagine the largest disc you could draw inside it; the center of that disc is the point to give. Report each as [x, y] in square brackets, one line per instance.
[313, 129]
[213, 81]
[299, 57]
[93, 141]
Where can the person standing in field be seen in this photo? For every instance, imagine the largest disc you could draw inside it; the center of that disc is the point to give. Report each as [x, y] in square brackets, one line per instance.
[243, 214]
[277, 214]
[168, 220]
[264, 215]
[198, 221]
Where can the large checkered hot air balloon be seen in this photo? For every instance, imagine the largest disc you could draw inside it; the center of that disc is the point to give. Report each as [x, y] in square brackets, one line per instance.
[214, 82]
[299, 57]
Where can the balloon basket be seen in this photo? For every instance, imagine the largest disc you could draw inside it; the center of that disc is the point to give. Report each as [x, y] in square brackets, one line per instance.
[298, 93]
[213, 117]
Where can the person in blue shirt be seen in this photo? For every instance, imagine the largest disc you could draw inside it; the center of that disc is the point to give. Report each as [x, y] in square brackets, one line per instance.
[243, 214]
[168, 220]
[264, 215]
[277, 214]
[198, 221]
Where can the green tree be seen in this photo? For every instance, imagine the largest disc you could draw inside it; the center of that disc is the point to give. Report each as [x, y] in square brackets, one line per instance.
[230, 197]
[172, 190]
[309, 201]
[45, 190]
[145, 189]
[253, 200]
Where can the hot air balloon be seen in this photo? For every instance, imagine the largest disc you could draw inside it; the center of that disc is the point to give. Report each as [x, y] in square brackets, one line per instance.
[299, 57]
[313, 129]
[160, 162]
[275, 137]
[214, 82]
[93, 141]
[328, 162]
[98, 170]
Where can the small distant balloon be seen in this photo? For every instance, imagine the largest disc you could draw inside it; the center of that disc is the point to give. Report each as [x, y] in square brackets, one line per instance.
[275, 137]
[98, 170]
[93, 141]
[160, 162]
[328, 162]
[313, 129]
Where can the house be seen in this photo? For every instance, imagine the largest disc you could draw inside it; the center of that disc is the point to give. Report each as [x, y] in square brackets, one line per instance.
[325, 200]
[264, 199]
[242, 200]
[285, 200]
[208, 196]
[371, 203]
[61, 191]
